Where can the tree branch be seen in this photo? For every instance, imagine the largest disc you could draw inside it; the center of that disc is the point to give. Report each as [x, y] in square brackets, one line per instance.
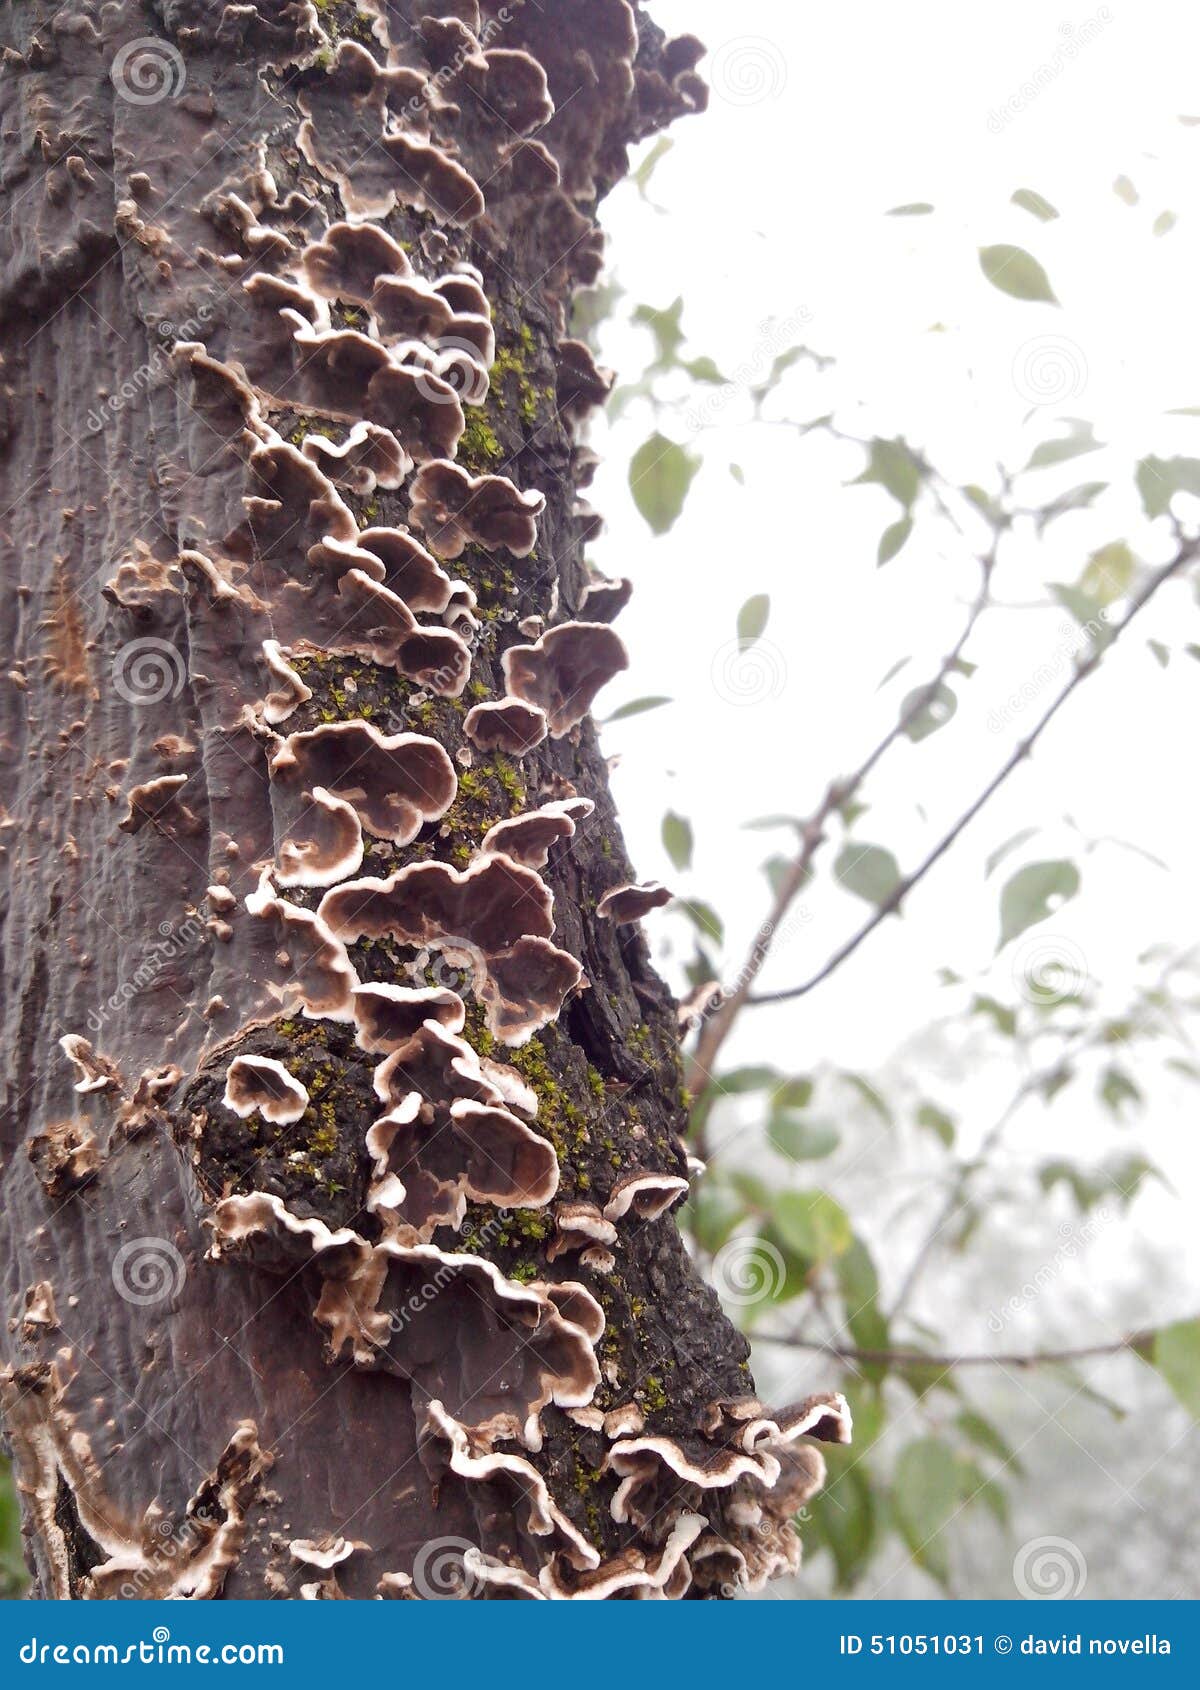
[719, 1025]
[1186, 553]
[1136, 1341]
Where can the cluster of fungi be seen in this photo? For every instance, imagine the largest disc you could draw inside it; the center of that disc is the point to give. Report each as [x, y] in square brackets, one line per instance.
[408, 1112]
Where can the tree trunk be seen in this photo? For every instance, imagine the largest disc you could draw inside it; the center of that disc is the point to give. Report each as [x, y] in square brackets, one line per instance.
[338, 1160]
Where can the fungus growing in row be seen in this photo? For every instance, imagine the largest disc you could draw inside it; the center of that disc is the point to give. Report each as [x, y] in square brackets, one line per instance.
[388, 1016]
[648, 1194]
[577, 1226]
[456, 509]
[158, 802]
[582, 384]
[369, 457]
[507, 725]
[368, 619]
[263, 1085]
[349, 257]
[407, 569]
[564, 670]
[291, 692]
[603, 600]
[323, 844]
[526, 839]
[396, 783]
[315, 967]
[624, 904]
[65, 1157]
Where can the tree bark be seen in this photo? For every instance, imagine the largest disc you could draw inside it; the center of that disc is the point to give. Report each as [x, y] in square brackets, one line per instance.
[294, 566]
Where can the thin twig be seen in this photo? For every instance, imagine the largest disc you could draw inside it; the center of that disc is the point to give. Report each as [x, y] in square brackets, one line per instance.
[1187, 552]
[1137, 1341]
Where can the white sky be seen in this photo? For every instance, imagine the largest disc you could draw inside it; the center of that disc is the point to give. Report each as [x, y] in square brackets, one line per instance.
[776, 207]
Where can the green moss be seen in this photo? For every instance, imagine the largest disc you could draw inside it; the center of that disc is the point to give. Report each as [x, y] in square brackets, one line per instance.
[480, 444]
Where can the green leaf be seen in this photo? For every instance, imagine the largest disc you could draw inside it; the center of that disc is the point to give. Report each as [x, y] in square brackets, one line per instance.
[1159, 479]
[801, 1140]
[660, 474]
[1164, 222]
[870, 1095]
[1177, 1358]
[1125, 190]
[1034, 893]
[665, 324]
[1003, 1018]
[752, 620]
[704, 917]
[641, 176]
[1080, 440]
[869, 871]
[894, 465]
[844, 1518]
[813, 1224]
[711, 1214]
[1031, 201]
[938, 708]
[678, 839]
[1015, 272]
[738, 474]
[1109, 572]
[1009, 845]
[925, 1496]
[916, 208]
[704, 369]
[937, 1121]
[1162, 653]
[1075, 499]
[757, 1077]
[985, 1436]
[636, 707]
[795, 1093]
[1116, 1090]
[901, 663]
[858, 1282]
[892, 540]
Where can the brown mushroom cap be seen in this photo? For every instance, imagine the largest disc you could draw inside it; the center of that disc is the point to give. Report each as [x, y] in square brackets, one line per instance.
[507, 725]
[648, 1194]
[456, 509]
[260, 1083]
[324, 843]
[564, 670]
[388, 1016]
[630, 903]
[527, 838]
[396, 783]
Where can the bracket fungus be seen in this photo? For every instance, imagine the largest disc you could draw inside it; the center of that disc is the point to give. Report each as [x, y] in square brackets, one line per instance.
[625, 904]
[396, 783]
[564, 670]
[506, 725]
[456, 509]
[260, 1084]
